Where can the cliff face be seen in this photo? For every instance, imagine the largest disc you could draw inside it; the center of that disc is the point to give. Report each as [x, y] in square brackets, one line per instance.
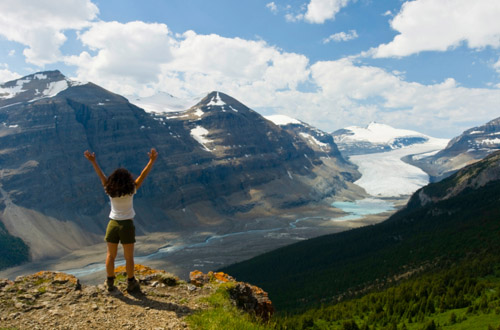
[217, 161]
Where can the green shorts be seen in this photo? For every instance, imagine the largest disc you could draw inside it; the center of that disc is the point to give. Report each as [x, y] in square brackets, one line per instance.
[120, 231]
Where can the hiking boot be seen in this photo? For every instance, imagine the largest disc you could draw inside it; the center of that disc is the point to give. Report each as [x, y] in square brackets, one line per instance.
[133, 285]
[109, 284]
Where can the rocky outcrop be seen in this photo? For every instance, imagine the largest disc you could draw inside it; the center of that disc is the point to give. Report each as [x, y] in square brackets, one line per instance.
[247, 297]
[53, 300]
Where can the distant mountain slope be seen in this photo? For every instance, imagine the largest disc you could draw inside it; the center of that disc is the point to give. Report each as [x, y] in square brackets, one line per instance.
[444, 221]
[471, 146]
[376, 138]
[321, 142]
[218, 160]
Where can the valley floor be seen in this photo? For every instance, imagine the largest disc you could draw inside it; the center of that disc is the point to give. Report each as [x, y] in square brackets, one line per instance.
[182, 252]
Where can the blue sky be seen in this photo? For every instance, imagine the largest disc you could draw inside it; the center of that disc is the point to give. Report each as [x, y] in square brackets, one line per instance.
[432, 66]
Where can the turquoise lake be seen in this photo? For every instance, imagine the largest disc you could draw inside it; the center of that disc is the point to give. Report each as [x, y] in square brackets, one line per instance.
[360, 208]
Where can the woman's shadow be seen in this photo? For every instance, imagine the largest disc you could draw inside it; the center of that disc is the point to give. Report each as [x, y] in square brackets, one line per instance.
[139, 298]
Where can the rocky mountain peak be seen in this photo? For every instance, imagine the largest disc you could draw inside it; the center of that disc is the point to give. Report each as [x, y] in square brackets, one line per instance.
[52, 300]
[34, 87]
[220, 101]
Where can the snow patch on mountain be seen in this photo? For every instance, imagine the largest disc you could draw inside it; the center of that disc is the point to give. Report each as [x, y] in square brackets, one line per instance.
[282, 120]
[51, 89]
[313, 139]
[216, 100]
[163, 102]
[199, 134]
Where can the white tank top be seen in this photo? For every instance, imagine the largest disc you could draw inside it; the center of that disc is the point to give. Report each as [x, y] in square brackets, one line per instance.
[122, 208]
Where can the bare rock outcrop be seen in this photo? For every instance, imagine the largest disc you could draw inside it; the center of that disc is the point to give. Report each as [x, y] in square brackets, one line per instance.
[55, 300]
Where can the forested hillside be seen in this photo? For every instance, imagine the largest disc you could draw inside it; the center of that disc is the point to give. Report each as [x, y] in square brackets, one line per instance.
[13, 250]
[458, 219]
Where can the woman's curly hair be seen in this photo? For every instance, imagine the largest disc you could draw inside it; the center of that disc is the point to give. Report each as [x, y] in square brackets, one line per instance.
[120, 183]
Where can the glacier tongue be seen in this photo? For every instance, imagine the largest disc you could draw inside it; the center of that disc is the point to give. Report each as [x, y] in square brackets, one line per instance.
[384, 174]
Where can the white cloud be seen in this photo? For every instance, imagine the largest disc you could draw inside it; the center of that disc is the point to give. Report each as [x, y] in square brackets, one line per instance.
[40, 25]
[496, 66]
[12, 52]
[429, 25]
[370, 93]
[6, 74]
[289, 17]
[144, 58]
[272, 7]
[206, 62]
[341, 36]
[318, 11]
[128, 56]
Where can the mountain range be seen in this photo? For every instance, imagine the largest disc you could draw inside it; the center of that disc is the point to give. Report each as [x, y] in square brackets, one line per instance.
[219, 163]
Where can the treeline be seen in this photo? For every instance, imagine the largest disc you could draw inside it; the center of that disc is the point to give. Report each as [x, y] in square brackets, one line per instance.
[13, 251]
[471, 288]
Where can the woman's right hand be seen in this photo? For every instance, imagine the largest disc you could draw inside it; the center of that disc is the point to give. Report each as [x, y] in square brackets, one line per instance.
[153, 154]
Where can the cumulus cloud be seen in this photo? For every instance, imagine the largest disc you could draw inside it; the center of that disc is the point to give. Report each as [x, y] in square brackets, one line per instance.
[272, 7]
[318, 11]
[127, 57]
[429, 25]
[6, 74]
[143, 58]
[40, 25]
[240, 67]
[497, 66]
[341, 36]
[140, 58]
[442, 109]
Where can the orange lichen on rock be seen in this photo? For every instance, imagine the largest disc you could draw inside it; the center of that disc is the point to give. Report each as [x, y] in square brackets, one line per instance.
[54, 277]
[221, 277]
[197, 278]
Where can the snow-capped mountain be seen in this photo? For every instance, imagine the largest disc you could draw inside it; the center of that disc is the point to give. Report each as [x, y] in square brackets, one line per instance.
[471, 146]
[374, 138]
[34, 87]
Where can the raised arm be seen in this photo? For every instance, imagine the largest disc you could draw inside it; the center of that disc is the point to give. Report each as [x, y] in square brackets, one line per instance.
[152, 158]
[91, 157]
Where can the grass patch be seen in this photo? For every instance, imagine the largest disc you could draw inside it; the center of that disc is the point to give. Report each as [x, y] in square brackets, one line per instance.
[222, 314]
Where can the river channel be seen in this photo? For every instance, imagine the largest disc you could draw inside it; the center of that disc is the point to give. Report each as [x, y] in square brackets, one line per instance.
[214, 251]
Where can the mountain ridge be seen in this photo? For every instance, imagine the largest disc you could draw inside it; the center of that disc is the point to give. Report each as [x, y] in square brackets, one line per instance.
[469, 147]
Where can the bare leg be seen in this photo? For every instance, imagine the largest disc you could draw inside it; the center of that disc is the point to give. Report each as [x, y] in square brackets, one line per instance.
[110, 259]
[128, 253]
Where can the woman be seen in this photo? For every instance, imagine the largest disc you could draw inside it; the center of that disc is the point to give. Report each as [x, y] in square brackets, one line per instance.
[121, 187]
